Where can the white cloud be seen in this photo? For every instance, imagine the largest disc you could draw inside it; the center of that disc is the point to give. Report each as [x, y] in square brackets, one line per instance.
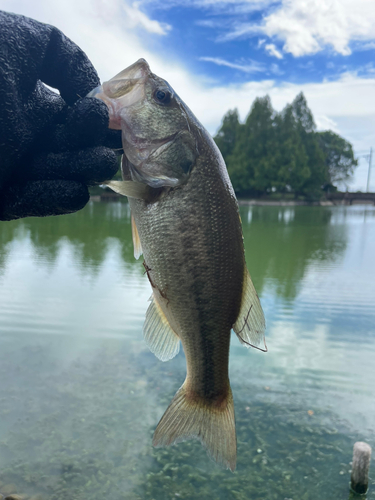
[365, 46]
[367, 68]
[227, 6]
[240, 30]
[323, 122]
[308, 26]
[274, 68]
[239, 7]
[137, 18]
[272, 50]
[251, 67]
[208, 23]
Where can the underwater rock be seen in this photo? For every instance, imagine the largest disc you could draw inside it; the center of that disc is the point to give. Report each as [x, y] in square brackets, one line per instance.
[16, 497]
[8, 489]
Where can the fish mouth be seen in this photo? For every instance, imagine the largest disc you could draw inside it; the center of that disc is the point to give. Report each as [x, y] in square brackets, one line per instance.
[123, 90]
[133, 92]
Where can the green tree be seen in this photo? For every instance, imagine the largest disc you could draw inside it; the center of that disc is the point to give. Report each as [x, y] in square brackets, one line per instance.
[282, 151]
[292, 170]
[339, 157]
[251, 164]
[312, 184]
[302, 114]
[227, 134]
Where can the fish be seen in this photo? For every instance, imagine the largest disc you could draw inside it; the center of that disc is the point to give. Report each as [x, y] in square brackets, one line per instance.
[186, 222]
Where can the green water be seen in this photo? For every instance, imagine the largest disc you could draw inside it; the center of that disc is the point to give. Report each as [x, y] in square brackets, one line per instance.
[80, 394]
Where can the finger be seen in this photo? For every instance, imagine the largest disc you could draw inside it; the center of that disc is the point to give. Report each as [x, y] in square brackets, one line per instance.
[32, 50]
[91, 166]
[43, 198]
[85, 125]
[43, 111]
[67, 68]
[113, 140]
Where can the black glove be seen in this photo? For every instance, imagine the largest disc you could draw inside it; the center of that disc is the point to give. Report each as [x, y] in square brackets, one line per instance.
[51, 146]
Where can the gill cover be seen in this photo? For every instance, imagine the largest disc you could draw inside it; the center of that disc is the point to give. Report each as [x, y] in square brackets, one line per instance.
[159, 145]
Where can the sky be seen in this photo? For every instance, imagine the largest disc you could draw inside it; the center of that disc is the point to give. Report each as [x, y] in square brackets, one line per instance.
[222, 54]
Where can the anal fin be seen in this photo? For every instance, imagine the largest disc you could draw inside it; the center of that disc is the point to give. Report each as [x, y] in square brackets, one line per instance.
[158, 334]
[250, 324]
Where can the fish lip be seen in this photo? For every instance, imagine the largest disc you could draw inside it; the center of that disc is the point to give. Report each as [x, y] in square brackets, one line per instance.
[114, 122]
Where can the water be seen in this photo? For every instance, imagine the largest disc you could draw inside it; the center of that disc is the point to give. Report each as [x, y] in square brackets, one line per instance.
[80, 393]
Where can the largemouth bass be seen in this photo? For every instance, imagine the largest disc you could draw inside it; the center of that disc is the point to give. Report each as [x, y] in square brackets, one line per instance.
[185, 220]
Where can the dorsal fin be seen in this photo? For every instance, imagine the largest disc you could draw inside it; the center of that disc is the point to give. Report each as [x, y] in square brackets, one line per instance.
[250, 324]
[158, 334]
[136, 240]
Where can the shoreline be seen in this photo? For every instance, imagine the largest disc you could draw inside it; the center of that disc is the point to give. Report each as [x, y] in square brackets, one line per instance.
[334, 199]
[285, 203]
[259, 203]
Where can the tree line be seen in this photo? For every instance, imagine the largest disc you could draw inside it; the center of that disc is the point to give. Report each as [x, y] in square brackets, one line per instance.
[282, 152]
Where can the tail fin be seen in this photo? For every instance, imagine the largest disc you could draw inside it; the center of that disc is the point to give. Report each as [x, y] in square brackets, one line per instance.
[186, 418]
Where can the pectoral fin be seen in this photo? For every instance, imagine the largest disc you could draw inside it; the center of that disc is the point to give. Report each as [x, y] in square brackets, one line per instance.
[250, 324]
[158, 334]
[136, 240]
[131, 189]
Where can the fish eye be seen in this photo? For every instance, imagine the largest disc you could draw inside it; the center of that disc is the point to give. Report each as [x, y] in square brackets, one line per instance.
[162, 96]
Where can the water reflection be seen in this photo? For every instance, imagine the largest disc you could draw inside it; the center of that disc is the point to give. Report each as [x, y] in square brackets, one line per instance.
[281, 242]
[73, 274]
[89, 232]
[80, 394]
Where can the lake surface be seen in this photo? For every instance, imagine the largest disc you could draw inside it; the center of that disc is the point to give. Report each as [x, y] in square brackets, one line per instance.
[80, 394]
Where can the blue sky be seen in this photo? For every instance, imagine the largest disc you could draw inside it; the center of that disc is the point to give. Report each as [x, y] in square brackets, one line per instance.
[221, 54]
[230, 42]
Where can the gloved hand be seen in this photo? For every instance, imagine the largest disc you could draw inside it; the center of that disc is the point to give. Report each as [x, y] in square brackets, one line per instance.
[51, 146]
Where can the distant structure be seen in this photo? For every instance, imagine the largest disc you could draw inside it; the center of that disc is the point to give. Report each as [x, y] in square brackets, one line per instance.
[351, 198]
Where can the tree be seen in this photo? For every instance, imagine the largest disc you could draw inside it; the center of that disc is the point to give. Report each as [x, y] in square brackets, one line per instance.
[227, 134]
[313, 183]
[282, 151]
[250, 165]
[302, 114]
[291, 158]
[339, 156]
